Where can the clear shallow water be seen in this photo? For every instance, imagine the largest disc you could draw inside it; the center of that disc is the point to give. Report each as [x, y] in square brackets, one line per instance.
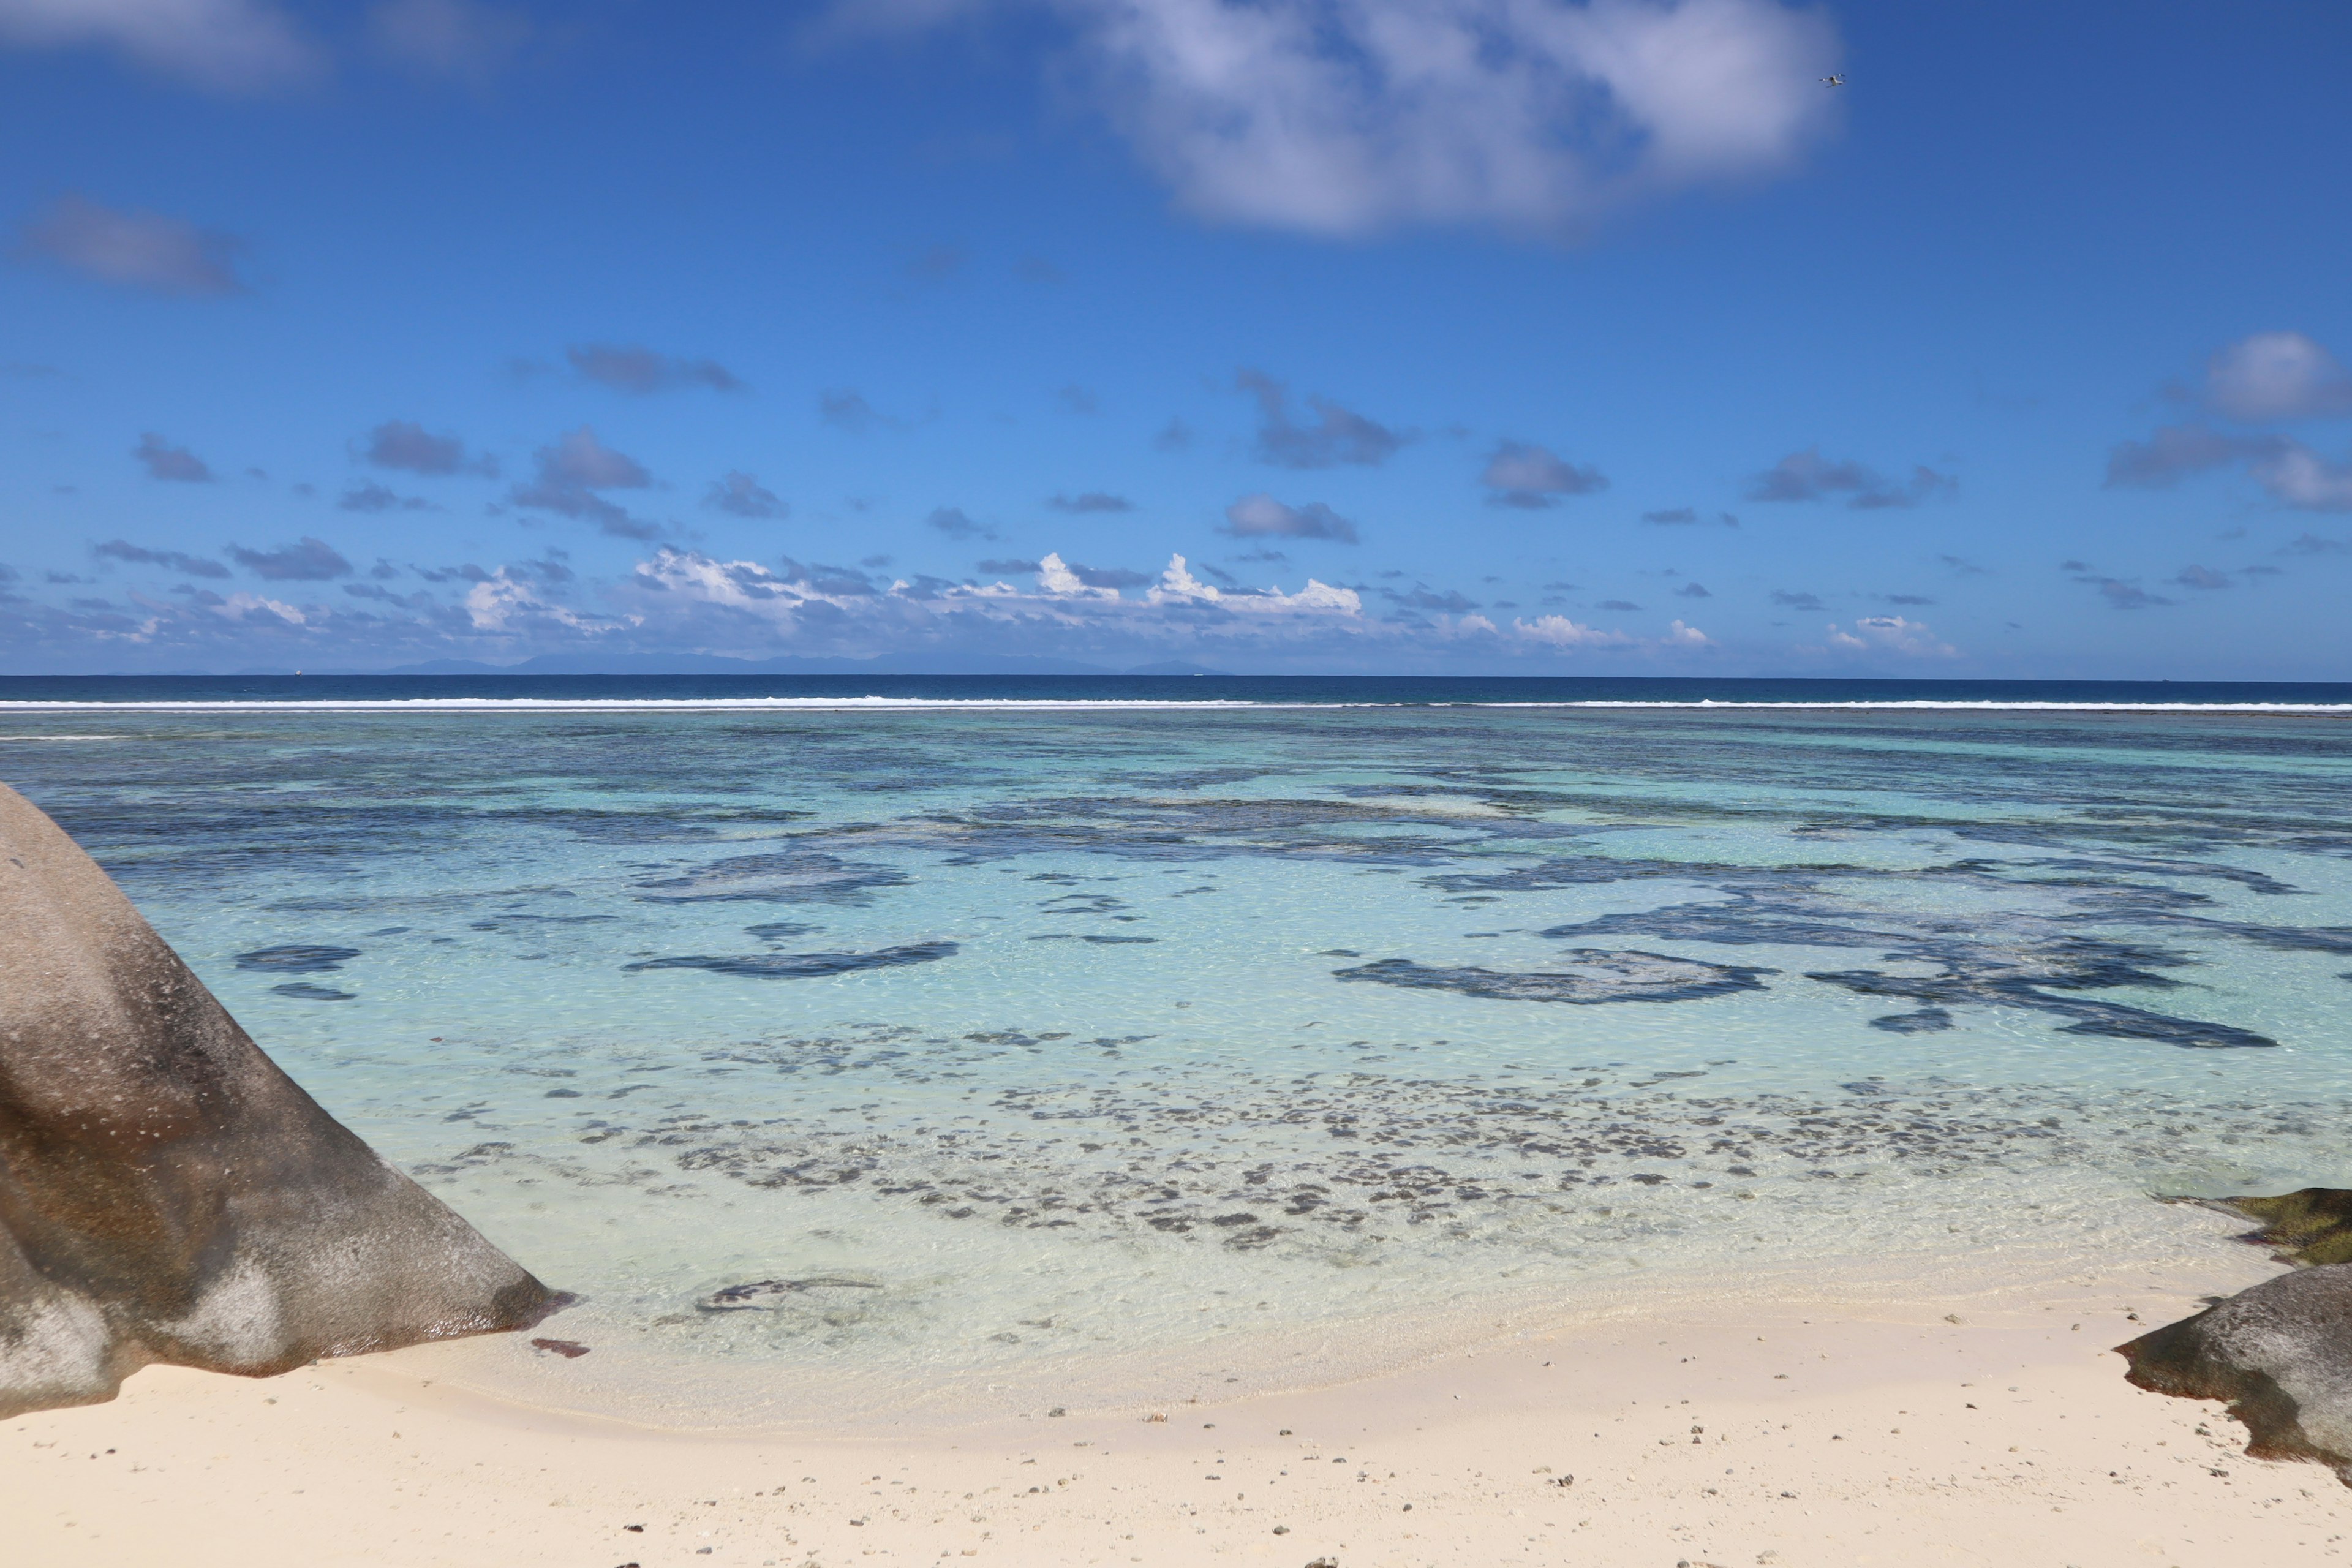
[1016, 1043]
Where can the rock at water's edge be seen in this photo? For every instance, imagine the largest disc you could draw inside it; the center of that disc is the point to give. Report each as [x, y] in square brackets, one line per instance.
[2310, 1225]
[2280, 1354]
[166, 1192]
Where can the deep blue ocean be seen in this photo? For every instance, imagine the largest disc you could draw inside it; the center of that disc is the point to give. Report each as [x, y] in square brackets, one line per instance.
[977, 1042]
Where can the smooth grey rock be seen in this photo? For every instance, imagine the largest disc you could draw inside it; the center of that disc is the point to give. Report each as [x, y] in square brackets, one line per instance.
[166, 1192]
[2279, 1353]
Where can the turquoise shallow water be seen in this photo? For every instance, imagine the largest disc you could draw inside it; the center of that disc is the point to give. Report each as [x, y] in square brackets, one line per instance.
[909, 1052]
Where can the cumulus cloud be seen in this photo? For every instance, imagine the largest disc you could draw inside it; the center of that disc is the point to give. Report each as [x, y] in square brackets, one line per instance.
[452, 38]
[1807, 476]
[306, 560]
[134, 249]
[1522, 114]
[1890, 634]
[164, 461]
[1259, 515]
[1090, 500]
[226, 45]
[1685, 515]
[2300, 477]
[1337, 434]
[1560, 632]
[1796, 601]
[631, 367]
[573, 470]
[405, 445]
[2276, 376]
[742, 495]
[139, 555]
[1522, 475]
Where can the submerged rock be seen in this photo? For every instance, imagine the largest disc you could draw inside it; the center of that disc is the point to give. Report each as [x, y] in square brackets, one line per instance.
[166, 1192]
[2280, 1354]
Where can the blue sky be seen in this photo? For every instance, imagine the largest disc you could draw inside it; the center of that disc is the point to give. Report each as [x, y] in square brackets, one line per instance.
[1432, 335]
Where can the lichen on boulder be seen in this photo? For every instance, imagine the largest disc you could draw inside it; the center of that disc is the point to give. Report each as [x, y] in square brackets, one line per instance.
[166, 1192]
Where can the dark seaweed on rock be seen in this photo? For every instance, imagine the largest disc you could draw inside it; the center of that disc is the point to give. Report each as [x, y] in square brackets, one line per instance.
[166, 1192]
[296, 959]
[2310, 1225]
[777, 931]
[1589, 975]
[2017, 985]
[807, 965]
[2279, 1354]
[1925, 1021]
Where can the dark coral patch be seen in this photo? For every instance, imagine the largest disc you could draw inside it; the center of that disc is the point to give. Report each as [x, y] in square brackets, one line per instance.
[808, 965]
[1589, 976]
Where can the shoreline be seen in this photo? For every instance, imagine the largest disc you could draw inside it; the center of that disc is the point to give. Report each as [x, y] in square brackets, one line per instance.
[1795, 1434]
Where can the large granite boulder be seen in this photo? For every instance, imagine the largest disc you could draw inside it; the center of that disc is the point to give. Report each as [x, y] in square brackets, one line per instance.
[166, 1192]
[2280, 1354]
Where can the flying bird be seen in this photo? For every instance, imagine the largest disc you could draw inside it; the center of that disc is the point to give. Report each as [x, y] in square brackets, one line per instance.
[1833, 80]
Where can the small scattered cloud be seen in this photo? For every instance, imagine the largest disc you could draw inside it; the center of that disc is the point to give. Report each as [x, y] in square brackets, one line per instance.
[1891, 634]
[1685, 516]
[1037, 270]
[407, 445]
[1338, 436]
[134, 249]
[1090, 502]
[373, 497]
[1260, 515]
[847, 408]
[937, 263]
[1076, 399]
[738, 494]
[1796, 601]
[228, 46]
[306, 560]
[164, 461]
[1906, 598]
[1011, 564]
[1692, 590]
[2120, 593]
[453, 39]
[2276, 376]
[139, 555]
[1620, 606]
[952, 521]
[1807, 476]
[631, 367]
[2314, 545]
[1522, 475]
[571, 472]
[2202, 577]
[1174, 437]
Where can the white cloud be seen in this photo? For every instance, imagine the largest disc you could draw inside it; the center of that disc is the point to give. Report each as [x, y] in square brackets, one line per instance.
[503, 603]
[1890, 634]
[1345, 118]
[239, 606]
[1559, 631]
[1682, 635]
[2301, 477]
[1055, 577]
[226, 44]
[2276, 376]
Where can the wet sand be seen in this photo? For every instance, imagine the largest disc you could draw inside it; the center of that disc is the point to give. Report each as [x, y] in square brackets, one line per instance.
[1798, 1438]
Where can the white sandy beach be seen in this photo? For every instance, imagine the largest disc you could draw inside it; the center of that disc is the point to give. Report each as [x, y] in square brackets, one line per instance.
[1884, 1437]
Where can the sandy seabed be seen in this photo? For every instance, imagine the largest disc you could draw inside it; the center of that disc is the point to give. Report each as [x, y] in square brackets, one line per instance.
[1821, 1435]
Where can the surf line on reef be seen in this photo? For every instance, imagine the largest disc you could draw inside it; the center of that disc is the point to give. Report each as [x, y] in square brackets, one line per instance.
[449, 705]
